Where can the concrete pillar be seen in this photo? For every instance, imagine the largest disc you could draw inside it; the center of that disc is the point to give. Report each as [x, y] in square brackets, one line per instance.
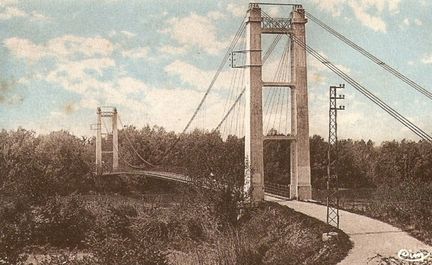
[99, 142]
[293, 144]
[115, 141]
[299, 75]
[254, 163]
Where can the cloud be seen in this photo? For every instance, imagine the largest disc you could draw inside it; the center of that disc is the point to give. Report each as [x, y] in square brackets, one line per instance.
[367, 12]
[334, 7]
[236, 10]
[80, 76]
[215, 15]
[418, 22]
[60, 48]
[86, 67]
[9, 11]
[128, 33]
[273, 11]
[200, 79]
[87, 78]
[195, 32]
[407, 22]
[8, 93]
[23, 48]
[374, 22]
[136, 53]
[70, 45]
[161, 101]
[189, 74]
[427, 59]
[172, 50]
[131, 85]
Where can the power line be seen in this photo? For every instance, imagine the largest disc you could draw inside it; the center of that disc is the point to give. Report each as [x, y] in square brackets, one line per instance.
[399, 117]
[371, 57]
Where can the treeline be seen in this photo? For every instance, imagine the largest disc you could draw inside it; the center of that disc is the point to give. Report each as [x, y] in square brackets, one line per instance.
[361, 163]
[364, 164]
[61, 163]
[40, 166]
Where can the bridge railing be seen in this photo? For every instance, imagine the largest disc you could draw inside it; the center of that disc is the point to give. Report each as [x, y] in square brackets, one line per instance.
[277, 189]
[362, 200]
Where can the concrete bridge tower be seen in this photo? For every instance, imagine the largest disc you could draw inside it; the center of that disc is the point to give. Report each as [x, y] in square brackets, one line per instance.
[110, 112]
[256, 25]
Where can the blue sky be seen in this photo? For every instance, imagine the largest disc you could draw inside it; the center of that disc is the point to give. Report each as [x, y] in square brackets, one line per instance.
[154, 60]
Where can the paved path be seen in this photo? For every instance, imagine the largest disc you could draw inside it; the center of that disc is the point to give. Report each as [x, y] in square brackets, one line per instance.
[370, 236]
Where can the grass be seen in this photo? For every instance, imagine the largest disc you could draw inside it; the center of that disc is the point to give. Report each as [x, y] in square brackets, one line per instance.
[265, 234]
[270, 234]
[413, 215]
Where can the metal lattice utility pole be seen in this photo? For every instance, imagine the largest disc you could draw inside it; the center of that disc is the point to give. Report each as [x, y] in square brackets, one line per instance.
[99, 142]
[332, 156]
[115, 148]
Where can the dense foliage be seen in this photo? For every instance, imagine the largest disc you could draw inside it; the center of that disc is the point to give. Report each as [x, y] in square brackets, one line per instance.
[60, 163]
[45, 180]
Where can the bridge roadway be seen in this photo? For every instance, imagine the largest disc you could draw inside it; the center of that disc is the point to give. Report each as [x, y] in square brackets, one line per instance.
[154, 174]
[369, 236]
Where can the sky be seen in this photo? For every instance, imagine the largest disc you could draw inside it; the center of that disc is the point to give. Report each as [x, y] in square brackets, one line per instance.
[154, 60]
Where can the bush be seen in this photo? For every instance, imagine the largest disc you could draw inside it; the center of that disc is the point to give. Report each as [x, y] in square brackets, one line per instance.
[407, 205]
[124, 238]
[117, 250]
[69, 259]
[15, 232]
[63, 222]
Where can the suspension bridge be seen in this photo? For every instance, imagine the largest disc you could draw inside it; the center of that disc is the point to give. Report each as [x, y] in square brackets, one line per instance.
[257, 109]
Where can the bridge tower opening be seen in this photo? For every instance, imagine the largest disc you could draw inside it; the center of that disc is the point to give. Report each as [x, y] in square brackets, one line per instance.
[256, 26]
[111, 135]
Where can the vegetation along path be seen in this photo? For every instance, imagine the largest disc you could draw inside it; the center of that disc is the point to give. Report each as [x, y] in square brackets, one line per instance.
[370, 237]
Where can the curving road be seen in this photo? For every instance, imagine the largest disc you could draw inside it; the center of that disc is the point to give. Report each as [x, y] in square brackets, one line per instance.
[370, 236]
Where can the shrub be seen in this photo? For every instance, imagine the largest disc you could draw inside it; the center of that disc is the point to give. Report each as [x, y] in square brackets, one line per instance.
[63, 222]
[15, 232]
[117, 250]
[69, 259]
[125, 238]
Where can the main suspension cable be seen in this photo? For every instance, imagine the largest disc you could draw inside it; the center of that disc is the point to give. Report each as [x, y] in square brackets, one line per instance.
[399, 117]
[233, 43]
[371, 57]
[131, 145]
[117, 150]
[265, 57]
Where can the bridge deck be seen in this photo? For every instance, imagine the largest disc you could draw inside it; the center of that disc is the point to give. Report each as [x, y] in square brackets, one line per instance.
[154, 174]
